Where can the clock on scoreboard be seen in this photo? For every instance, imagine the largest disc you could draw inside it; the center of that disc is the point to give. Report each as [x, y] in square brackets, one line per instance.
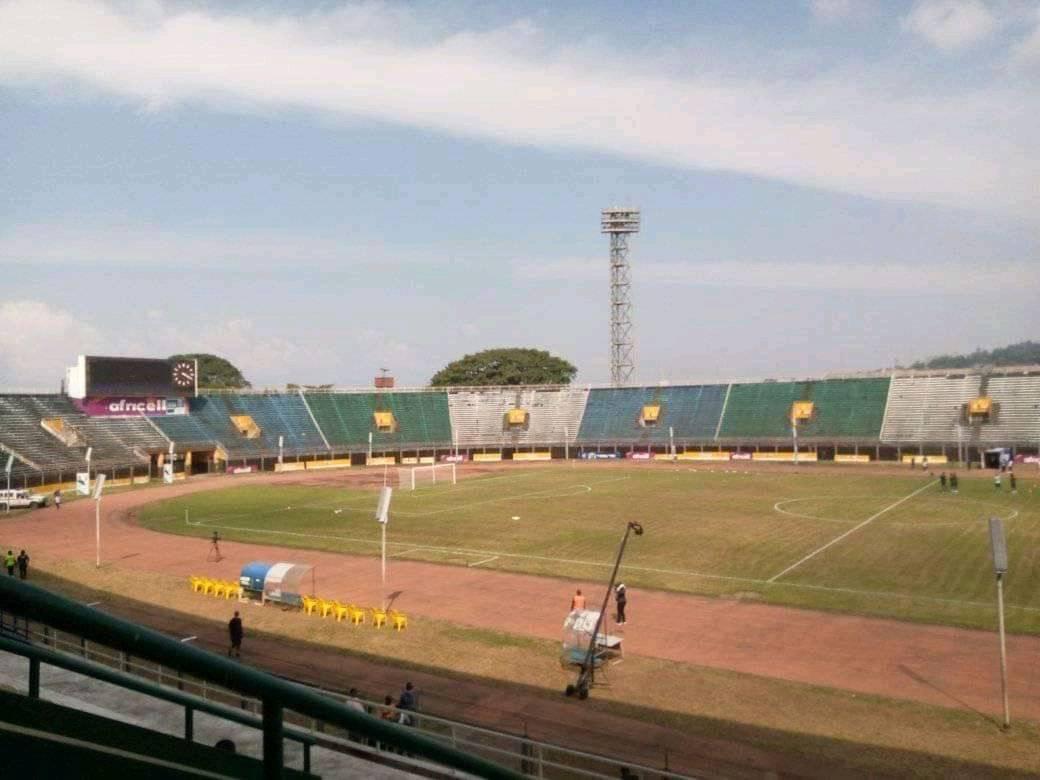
[139, 377]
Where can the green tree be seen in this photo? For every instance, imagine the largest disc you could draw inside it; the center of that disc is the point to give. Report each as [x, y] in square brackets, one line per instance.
[216, 372]
[506, 366]
[1023, 353]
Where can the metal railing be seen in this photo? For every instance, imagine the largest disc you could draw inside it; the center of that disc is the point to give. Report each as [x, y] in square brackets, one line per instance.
[276, 696]
[530, 757]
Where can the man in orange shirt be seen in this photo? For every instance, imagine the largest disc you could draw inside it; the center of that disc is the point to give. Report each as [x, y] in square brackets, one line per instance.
[578, 602]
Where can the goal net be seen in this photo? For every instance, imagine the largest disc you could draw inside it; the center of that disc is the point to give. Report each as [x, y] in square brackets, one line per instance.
[422, 476]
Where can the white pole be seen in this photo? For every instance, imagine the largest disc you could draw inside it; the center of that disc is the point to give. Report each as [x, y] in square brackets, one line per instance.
[1003, 650]
[566, 443]
[671, 441]
[383, 598]
[370, 445]
[97, 531]
[794, 435]
[453, 481]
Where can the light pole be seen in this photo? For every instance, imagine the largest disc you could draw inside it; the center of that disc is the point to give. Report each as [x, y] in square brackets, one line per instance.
[587, 676]
[7, 469]
[99, 485]
[383, 516]
[998, 547]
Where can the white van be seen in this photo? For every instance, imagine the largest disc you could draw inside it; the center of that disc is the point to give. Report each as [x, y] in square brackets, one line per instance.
[21, 499]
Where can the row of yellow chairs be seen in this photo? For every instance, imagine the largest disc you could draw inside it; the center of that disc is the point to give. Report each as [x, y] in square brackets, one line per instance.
[207, 586]
[355, 614]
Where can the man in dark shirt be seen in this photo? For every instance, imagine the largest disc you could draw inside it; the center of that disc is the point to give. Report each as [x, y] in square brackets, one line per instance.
[236, 633]
[23, 564]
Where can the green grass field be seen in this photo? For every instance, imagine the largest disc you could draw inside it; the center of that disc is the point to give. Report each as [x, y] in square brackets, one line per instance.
[923, 555]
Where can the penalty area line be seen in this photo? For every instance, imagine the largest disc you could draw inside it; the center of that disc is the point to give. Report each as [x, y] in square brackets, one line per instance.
[852, 530]
[486, 560]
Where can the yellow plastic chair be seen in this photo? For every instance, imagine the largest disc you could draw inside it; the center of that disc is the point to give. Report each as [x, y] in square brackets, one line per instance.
[398, 620]
[341, 611]
[378, 617]
[310, 604]
[220, 588]
[208, 586]
[357, 614]
[327, 607]
[232, 589]
[196, 583]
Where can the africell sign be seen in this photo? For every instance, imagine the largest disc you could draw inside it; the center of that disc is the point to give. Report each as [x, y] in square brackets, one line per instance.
[124, 407]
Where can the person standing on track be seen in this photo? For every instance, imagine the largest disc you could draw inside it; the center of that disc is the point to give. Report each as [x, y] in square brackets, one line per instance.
[621, 599]
[578, 600]
[235, 632]
[57, 499]
[23, 565]
[9, 562]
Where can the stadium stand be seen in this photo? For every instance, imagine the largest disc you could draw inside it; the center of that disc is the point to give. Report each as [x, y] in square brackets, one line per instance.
[121, 433]
[215, 412]
[927, 408]
[550, 415]
[22, 432]
[613, 414]
[1017, 416]
[284, 415]
[842, 409]
[419, 418]
[186, 432]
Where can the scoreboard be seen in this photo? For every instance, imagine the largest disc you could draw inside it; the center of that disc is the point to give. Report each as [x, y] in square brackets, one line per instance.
[139, 377]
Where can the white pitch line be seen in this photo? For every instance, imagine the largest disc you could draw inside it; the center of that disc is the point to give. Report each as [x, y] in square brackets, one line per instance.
[462, 551]
[852, 530]
[404, 552]
[93, 603]
[486, 560]
[191, 638]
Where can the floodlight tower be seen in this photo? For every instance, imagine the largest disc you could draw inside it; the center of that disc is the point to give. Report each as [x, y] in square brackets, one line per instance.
[618, 223]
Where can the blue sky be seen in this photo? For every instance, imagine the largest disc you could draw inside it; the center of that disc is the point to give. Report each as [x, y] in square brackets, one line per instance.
[319, 190]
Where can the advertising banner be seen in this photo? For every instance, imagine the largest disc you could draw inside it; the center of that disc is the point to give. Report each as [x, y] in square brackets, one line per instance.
[599, 455]
[83, 483]
[167, 473]
[240, 469]
[453, 458]
[125, 406]
[638, 455]
[740, 456]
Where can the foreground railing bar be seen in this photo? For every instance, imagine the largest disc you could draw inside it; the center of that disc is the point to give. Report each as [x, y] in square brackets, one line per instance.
[133, 683]
[63, 614]
[254, 705]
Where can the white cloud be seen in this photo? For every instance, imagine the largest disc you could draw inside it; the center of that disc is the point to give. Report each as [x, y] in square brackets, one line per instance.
[855, 131]
[832, 11]
[1026, 53]
[37, 338]
[951, 24]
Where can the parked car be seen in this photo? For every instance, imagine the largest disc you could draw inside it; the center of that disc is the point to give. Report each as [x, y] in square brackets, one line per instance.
[21, 499]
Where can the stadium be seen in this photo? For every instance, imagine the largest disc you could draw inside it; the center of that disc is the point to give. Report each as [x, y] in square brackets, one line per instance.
[535, 390]
[807, 501]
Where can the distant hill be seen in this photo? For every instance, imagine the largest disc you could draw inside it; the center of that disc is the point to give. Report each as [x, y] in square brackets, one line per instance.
[1021, 354]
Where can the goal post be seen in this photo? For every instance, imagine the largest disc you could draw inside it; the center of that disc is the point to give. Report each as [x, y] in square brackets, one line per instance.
[423, 476]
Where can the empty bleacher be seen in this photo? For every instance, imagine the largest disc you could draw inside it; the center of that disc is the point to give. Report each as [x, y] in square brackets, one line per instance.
[278, 414]
[842, 409]
[421, 418]
[927, 408]
[478, 417]
[1017, 416]
[612, 414]
[135, 434]
[187, 432]
[214, 413]
[114, 443]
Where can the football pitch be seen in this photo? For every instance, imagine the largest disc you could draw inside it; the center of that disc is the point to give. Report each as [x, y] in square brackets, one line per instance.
[866, 543]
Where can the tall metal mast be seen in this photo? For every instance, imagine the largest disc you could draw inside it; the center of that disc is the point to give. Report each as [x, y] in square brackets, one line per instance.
[618, 223]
